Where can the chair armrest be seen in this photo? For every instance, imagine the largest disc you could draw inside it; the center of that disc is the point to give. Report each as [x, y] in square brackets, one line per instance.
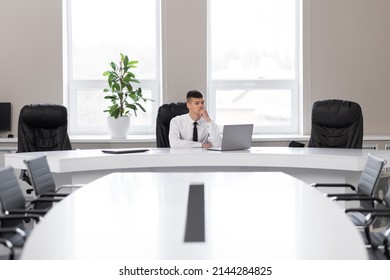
[23, 213]
[68, 187]
[345, 195]
[45, 199]
[76, 186]
[333, 185]
[53, 194]
[42, 210]
[341, 195]
[377, 213]
[367, 210]
[357, 198]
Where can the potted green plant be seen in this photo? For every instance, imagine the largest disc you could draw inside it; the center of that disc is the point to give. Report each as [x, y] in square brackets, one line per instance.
[123, 95]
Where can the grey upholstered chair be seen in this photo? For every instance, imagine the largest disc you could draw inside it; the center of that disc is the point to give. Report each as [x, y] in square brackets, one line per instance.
[364, 191]
[42, 179]
[12, 199]
[14, 209]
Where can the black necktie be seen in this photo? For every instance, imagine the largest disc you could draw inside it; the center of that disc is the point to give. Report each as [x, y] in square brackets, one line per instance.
[195, 133]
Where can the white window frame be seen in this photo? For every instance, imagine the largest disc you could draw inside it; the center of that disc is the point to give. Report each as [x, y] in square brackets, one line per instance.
[71, 86]
[294, 85]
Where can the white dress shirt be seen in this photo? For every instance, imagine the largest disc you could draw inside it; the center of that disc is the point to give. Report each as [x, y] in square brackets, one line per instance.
[181, 132]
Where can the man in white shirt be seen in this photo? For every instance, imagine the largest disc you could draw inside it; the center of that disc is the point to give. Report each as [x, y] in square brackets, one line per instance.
[195, 129]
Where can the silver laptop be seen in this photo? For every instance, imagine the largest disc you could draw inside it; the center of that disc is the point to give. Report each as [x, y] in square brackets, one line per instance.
[235, 137]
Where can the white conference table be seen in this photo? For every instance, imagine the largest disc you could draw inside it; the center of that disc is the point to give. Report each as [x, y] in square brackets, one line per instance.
[247, 215]
[307, 164]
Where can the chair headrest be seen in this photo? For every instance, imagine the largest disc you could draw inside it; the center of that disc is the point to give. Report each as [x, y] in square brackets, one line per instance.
[167, 111]
[336, 113]
[44, 115]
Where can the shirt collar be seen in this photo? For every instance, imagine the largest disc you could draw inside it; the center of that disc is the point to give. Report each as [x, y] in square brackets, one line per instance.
[201, 120]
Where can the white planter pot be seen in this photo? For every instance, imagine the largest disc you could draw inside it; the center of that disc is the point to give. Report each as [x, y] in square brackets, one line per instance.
[119, 127]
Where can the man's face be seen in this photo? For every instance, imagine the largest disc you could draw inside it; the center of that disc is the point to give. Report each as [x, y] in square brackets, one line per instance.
[195, 105]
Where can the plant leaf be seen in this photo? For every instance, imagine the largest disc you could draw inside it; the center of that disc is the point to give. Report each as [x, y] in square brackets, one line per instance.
[140, 106]
[134, 81]
[125, 62]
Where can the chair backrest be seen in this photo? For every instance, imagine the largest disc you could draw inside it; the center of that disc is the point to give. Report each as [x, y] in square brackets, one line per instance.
[336, 124]
[43, 127]
[370, 175]
[11, 195]
[40, 175]
[165, 113]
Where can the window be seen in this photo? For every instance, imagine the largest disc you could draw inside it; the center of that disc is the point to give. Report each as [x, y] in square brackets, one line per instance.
[97, 32]
[254, 63]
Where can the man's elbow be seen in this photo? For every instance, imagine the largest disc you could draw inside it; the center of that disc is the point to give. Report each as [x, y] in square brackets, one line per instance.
[174, 145]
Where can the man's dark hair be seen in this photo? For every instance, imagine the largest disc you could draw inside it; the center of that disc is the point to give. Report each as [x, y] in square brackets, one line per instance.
[194, 94]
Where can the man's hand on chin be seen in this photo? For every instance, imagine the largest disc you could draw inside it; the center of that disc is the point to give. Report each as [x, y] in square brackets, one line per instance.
[205, 115]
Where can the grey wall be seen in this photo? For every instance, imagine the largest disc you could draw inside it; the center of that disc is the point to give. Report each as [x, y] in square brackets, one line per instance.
[346, 48]
[349, 56]
[184, 34]
[30, 53]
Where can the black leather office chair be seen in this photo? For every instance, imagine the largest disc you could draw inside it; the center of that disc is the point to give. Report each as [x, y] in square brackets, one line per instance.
[42, 127]
[165, 113]
[336, 124]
